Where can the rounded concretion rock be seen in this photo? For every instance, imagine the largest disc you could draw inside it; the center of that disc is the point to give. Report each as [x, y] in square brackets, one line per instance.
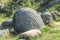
[7, 24]
[26, 19]
[47, 17]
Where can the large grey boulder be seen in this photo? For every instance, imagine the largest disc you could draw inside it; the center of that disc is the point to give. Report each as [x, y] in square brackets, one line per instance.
[26, 19]
[7, 24]
[47, 17]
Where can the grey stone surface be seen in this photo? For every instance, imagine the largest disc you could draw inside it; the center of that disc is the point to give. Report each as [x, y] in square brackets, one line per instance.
[7, 24]
[47, 17]
[26, 19]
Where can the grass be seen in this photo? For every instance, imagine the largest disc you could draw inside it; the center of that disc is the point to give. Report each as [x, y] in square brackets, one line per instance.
[58, 19]
[2, 18]
[48, 33]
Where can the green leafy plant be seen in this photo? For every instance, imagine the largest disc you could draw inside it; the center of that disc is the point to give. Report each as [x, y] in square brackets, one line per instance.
[29, 3]
[55, 7]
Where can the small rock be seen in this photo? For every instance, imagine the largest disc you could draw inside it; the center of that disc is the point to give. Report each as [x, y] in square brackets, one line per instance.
[47, 17]
[4, 32]
[7, 24]
[30, 33]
